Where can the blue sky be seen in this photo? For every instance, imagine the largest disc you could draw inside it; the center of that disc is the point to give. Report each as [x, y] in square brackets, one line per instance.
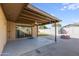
[67, 12]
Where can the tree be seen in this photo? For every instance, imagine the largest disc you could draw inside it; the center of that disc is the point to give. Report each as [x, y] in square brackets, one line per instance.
[43, 27]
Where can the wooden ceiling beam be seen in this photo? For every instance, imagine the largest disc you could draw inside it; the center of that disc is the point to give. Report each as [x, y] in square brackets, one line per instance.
[36, 15]
[26, 8]
[48, 22]
[29, 19]
[24, 25]
[26, 19]
[32, 17]
[33, 11]
[23, 21]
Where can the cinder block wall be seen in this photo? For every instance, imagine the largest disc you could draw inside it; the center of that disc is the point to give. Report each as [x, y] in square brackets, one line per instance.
[3, 30]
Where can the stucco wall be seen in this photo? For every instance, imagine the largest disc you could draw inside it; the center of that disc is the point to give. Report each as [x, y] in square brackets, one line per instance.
[3, 30]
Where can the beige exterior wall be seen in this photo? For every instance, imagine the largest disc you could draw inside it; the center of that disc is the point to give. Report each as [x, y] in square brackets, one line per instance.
[11, 29]
[34, 31]
[3, 30]
[73, 31]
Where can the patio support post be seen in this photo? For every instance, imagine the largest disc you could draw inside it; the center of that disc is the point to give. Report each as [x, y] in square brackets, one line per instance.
[11, 30]
[55, 33]
[35, 31]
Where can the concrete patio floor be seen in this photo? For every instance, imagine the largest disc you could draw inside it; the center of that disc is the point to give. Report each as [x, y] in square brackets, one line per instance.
[61, 48]
[21, 46]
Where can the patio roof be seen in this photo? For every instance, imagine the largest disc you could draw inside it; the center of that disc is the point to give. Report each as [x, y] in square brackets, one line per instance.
[26, 13]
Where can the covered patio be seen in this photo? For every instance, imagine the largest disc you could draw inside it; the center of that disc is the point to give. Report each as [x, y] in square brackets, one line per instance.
[26, 15]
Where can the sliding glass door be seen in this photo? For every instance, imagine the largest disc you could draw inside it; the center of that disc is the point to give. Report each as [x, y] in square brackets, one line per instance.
[22, 32]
